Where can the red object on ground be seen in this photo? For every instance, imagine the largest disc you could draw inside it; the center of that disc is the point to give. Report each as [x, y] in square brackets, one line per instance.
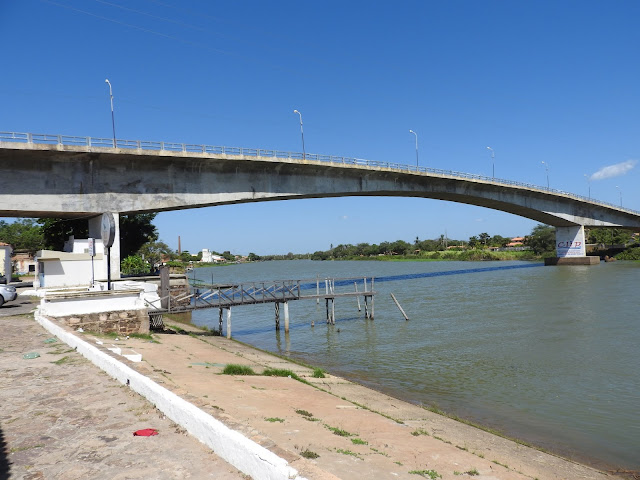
[145, 432]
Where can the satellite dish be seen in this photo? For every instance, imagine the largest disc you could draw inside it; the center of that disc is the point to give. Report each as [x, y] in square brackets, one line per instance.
[108, 230]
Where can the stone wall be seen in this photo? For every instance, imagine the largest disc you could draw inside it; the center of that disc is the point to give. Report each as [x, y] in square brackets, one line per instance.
[124, 322]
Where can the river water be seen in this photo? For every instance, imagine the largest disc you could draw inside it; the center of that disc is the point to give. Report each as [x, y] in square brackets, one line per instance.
[549, 355]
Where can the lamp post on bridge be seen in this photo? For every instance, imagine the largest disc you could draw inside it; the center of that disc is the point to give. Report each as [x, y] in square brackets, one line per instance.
[546, 167]
[304, 155]
[411, 131]
[589, 183]
[113, 122]
[493, 163]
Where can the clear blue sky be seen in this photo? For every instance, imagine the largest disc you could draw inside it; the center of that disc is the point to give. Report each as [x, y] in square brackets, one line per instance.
[553, 81]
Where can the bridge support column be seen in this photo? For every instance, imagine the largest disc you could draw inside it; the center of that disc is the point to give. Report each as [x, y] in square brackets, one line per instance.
[570, 248]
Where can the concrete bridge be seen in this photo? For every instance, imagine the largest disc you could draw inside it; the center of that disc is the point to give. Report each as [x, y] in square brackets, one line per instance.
[67, 177]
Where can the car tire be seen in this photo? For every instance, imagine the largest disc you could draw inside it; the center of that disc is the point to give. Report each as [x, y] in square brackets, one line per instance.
[1, 300]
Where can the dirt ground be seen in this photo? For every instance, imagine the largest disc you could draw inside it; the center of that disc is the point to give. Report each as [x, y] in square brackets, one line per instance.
[69, 420]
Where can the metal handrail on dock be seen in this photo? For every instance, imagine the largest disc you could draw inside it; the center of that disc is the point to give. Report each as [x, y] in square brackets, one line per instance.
[278, 292]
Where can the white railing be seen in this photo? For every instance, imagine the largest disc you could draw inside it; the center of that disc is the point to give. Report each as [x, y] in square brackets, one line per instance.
[39, 138]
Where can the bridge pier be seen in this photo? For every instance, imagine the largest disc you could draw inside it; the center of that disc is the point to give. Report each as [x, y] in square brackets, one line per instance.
[570, 248]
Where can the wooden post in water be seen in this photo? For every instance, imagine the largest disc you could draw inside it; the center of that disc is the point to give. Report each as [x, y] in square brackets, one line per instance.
[401, 310]
[355, 285]
[286, 317]
[220, 324]
[277, 304]
[372, 299]
[317, 291]
[229, 322]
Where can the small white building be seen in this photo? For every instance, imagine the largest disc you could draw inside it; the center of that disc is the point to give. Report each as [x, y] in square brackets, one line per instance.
[5, 260]
[75, 266]
[208, 257]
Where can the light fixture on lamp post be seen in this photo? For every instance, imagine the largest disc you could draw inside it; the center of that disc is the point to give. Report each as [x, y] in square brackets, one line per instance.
[493, 163]
[113, 122]
[411, 131]
[546, 167]
[304, 155]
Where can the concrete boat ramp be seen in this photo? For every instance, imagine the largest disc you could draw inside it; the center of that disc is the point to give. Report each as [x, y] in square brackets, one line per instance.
[62, 418]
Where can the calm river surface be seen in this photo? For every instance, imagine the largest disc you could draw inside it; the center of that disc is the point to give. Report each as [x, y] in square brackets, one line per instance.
[546, 354]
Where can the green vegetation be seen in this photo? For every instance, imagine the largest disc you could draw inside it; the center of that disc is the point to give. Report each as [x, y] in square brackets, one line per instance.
[309, 454]
[274, 419]
[426, 473]
[359, 441]
[340, 432]
[347, 452]
[630, 254]
[473, 472]
[419, 432]
[318, 373]
[234, 369]
[279, 372]
[304, 413]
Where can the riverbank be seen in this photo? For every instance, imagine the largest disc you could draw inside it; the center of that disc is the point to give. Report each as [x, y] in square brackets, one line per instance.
[352, 431]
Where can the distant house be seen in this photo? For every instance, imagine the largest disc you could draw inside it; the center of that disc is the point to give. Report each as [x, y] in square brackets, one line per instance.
[24, 263]
[516, 242]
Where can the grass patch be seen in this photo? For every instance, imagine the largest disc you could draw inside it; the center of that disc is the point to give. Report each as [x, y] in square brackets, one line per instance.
[473, 472]
[359, 441]
[347, 452]
[235, 369]
[426, 473]
[274, 419]
[420, 431]
[501, 464]
[309, 454]
[280, 372]
[63, 361]
[22, 449]
[340, 432]
[318, 373]
[304, 413]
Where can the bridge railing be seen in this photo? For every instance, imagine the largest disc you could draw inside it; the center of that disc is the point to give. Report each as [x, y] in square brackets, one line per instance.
[47, 139]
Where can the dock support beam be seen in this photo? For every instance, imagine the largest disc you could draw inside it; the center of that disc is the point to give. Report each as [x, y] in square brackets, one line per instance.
[286, 316]
[277, 316]
[228, 322]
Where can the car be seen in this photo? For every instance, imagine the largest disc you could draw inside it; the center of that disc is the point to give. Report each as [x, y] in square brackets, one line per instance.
[7, 294]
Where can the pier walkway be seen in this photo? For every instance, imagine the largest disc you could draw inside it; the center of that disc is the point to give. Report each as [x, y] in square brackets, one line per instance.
[279, 292]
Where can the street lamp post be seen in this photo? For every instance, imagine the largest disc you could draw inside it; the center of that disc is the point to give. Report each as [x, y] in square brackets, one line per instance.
[493, 163]
[589, 183]
[546, 167]
[620, 192]
[304, 155]
[411, 131]
[113, 122]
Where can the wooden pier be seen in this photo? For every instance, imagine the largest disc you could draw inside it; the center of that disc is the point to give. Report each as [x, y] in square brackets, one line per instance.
[280, 293]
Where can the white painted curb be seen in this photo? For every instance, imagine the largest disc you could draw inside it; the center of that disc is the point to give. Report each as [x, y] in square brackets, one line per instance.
[244, 454]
